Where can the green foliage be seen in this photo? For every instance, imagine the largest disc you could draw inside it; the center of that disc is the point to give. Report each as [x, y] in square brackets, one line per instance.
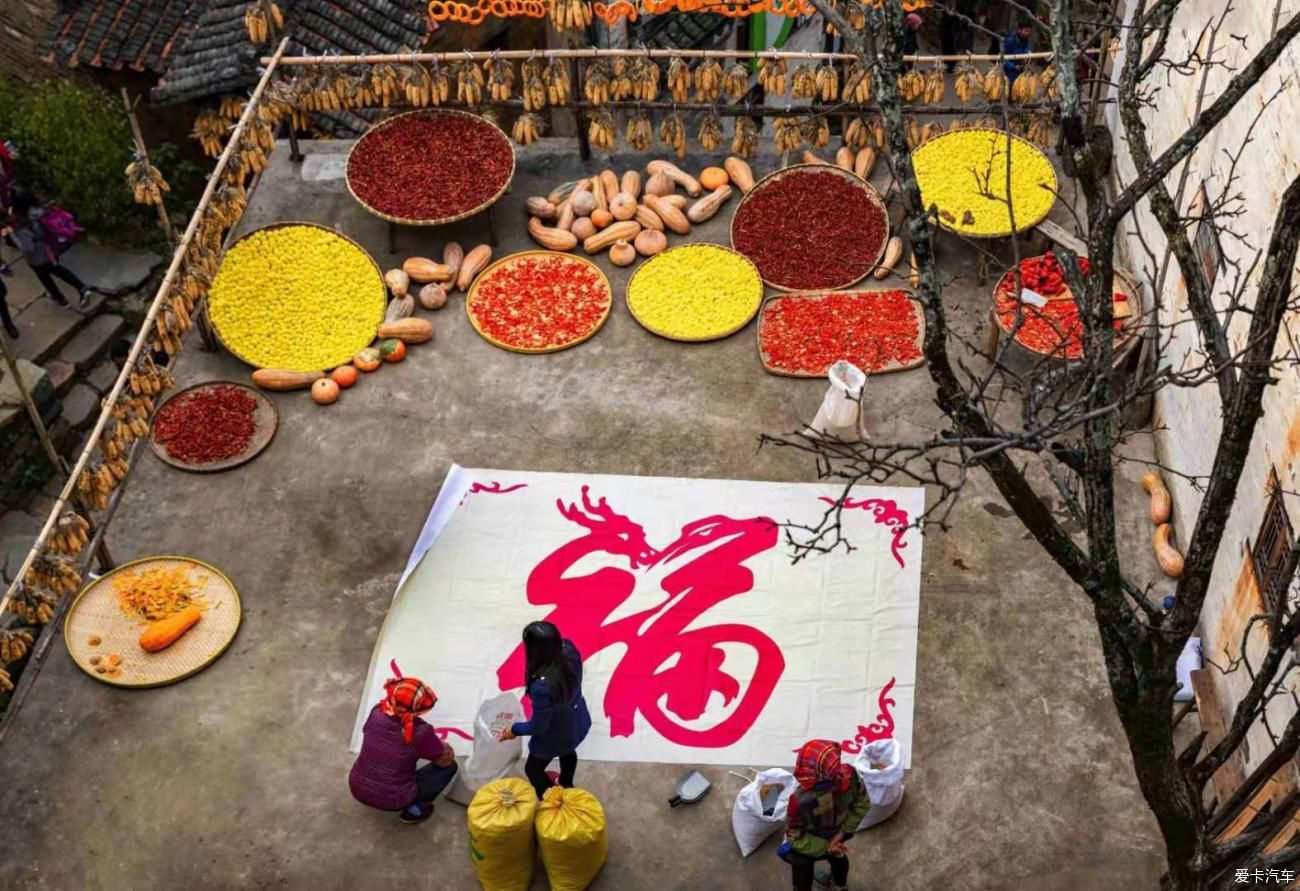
[74, 142]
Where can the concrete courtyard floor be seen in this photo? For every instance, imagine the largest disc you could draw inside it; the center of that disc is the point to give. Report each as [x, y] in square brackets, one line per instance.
[237, 777]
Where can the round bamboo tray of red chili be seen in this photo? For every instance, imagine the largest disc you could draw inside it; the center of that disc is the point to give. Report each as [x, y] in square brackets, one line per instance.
[430, 167]
[811, 227]
[803, 335]
[539, 302]
[213, 426]
[1055, 329]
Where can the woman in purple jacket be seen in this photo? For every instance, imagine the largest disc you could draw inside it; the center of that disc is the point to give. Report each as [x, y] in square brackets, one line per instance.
[394, 739]
[560, 718]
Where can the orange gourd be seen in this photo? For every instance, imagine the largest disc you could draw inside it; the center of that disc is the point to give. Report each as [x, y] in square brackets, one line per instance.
[410, 330]
[325, 392]
[1161, 505]
[163, 633]
[345, 376]
[279, 379]
[366, 360]
[1170, 560]
[714, 178]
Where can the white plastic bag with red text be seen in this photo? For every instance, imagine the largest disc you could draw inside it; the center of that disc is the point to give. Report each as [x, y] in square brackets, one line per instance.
[880, 767]
[492, 758]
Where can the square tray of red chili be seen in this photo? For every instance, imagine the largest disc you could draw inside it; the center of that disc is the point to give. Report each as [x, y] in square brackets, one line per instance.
[803, 335]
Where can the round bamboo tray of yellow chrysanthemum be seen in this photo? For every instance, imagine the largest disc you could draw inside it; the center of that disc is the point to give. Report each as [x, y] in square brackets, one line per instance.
[494, 191]
[97, 629]
[965, 172]
[485, 280]
[705, 276]
[295, 312]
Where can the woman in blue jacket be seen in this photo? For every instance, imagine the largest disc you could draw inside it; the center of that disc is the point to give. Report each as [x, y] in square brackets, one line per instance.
[560, 718]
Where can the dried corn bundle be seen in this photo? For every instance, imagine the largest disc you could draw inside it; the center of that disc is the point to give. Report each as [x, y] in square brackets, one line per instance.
[31, 605]
[1041, 130]
[803, 83]
[710, 134]
[771, 75]
[146, 181]
[231, 107]
[935, 85]
[644, 74]
[744, 142]
[857, 135]
[816, 131]
[555, 77]
[209, 130]
[534, 91]
[708, 81]
[788, 136]
[600, 132]
[826, 83]
[71, 534]
[620, 79]
[1025, 87]
[527, 129]
[672, 131]
[911, 86]
[679, 79]
[735, 83]
[995, 84]
[469, 83]
[256, 24]
[1051, 89]
[597, 85]
[500, 75]
[54, 573]
[571, 15]
[15, 644]
[857, 83]
[968, 84]
[640, 132]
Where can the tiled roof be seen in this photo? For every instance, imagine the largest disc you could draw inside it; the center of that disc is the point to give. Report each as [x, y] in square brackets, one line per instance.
[116, 34]
[218, 58]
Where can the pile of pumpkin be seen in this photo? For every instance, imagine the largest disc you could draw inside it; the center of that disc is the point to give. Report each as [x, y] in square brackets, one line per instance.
[400, 327]
[630, 217]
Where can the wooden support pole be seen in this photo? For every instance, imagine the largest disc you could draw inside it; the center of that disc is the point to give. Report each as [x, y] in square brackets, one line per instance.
[143, 153]
[594, 53]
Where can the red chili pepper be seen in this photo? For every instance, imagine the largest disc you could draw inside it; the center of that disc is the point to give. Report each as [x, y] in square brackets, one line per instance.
[540, 302]
[430, 166]
[810, 229]
[1052, 329]
[206, 425]
[806, 335]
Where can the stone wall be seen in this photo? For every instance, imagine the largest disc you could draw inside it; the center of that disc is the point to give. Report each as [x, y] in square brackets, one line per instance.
[1188, 419]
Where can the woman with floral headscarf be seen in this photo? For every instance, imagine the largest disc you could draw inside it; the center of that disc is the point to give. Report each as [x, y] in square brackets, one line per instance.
[823, 814]
[394, 739]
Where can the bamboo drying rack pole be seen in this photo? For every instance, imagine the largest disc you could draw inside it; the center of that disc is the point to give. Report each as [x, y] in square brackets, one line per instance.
[593, 53]
[146, 328]
[42, 433]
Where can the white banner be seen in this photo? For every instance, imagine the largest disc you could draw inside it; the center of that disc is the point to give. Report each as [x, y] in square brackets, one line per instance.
[701, 641]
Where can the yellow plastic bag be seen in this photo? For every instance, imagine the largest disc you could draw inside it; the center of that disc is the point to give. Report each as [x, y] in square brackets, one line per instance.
[571, 834]
[501, 834]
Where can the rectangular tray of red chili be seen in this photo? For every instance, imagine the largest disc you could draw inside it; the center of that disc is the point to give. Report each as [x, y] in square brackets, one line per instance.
[803, 335]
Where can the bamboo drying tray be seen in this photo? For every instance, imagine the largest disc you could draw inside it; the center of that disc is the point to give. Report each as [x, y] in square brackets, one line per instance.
[1122, 338]
[511, 260]
[917, 312]
[95, 612]
[758, 302]
[429, 112]
[381, 293]
[1021, 225]
[868, 189]
[266, 419]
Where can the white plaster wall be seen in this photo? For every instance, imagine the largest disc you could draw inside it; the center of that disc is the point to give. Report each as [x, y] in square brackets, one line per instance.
[1189, 419]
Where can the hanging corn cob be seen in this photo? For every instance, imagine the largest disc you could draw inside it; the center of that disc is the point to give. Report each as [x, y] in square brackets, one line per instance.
[1042, 130]
[913, 133]
[501, 80]
[209, 130]
[816, 131]
[146, 182]
[469, 83]
[71, 534]
[930, 131]
[967, 84]
[596, 86]
[679, 79]
[620, 79]
[555, 77]
[640, 132]
[803, 83]
[995, 84]
[672, 131]
[32, 606]
[15, 644]
[54, 573]
[771, 75]
[527, 128]
[788, 137]
[710, 135]
[1025, 87]
[911, 86]
[744, 142]
[645, 76]
[1048, 78]
[735, 83]
[232, 107]
[826, 83]
[857, 84]
[708, 81]
[259, 29]
[534, 88]
[856, 134]
[570, 15]
[935, 86]
[600, 132]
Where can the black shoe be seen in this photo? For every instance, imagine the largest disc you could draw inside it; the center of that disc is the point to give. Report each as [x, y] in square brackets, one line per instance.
[422, 813]
[84, 296]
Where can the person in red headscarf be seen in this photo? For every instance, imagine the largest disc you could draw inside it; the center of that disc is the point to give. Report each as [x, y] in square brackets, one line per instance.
[394, 740]
[823, 814]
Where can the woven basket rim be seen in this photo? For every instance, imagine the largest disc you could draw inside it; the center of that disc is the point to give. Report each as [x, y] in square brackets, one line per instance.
[814, 295]
[238, 607]
[872, 195]
[284, 224]
[1054, 188]
[627, 294]
[1127, 334]
[445, 221]
[537, 351]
